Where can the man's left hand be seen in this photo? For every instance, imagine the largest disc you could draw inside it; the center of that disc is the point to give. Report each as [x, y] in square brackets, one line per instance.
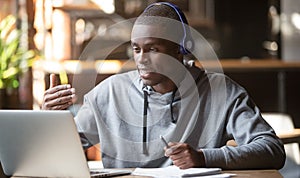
[184, 156]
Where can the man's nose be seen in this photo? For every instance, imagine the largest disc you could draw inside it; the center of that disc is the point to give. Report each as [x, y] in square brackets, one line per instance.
[143, 57]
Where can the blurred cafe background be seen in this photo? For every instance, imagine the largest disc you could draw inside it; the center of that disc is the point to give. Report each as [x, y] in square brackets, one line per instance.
[257, 43]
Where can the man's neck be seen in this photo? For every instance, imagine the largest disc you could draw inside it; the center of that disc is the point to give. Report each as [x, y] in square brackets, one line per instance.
[166, 87]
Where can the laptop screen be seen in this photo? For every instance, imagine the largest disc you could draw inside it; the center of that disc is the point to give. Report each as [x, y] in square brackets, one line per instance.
[41, 144]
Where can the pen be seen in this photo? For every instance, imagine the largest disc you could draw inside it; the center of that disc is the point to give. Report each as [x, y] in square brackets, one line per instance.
[165, 142]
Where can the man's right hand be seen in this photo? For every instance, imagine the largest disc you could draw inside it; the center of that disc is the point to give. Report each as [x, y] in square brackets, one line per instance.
[58, 97]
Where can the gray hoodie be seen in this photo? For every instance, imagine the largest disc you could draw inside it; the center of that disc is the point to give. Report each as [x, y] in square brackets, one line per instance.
[206, 111]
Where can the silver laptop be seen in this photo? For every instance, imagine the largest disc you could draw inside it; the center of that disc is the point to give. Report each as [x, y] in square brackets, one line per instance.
[43, 144]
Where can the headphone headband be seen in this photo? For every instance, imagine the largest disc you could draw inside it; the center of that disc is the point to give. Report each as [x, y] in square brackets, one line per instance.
[186, 45]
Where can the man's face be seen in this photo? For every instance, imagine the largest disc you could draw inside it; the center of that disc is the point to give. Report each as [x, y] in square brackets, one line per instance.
[155, 58]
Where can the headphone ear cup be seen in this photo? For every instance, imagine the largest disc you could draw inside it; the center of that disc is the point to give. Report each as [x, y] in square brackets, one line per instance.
[186, 46]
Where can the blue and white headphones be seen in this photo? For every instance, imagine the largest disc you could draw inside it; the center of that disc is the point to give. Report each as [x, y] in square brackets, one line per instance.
[186, 44]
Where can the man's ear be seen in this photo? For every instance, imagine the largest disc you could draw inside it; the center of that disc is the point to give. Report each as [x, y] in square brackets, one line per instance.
[180, 56]
[178, 49]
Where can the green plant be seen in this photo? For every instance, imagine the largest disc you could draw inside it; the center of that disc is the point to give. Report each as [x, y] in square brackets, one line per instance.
[14, 59]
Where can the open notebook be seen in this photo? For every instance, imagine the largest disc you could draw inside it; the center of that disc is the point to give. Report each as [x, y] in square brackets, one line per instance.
[43, 144]
[174, 171]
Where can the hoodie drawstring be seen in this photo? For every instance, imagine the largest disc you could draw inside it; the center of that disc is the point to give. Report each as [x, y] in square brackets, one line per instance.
[171, 106]
[145, 123]
[145, 113]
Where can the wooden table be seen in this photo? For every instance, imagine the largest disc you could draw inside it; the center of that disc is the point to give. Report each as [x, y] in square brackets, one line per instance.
[239, 174]
[255, 173]
[293, 137]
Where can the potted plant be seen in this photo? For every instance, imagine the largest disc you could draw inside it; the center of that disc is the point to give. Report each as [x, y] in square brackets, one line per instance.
[15, 60]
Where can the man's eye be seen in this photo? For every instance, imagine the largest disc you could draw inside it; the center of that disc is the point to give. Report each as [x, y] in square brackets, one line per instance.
[136, 49]
[153, 49]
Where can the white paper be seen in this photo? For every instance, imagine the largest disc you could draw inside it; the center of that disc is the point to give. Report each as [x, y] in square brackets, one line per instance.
[174, 171]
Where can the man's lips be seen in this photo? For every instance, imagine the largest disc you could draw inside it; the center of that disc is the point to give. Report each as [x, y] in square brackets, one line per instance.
[145, 72]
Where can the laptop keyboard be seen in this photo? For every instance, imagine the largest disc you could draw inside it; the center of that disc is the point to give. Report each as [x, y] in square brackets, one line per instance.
[108, 173]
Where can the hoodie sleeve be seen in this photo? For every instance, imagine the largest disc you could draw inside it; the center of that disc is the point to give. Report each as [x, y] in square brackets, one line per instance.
[86, 124]
[258, 146]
